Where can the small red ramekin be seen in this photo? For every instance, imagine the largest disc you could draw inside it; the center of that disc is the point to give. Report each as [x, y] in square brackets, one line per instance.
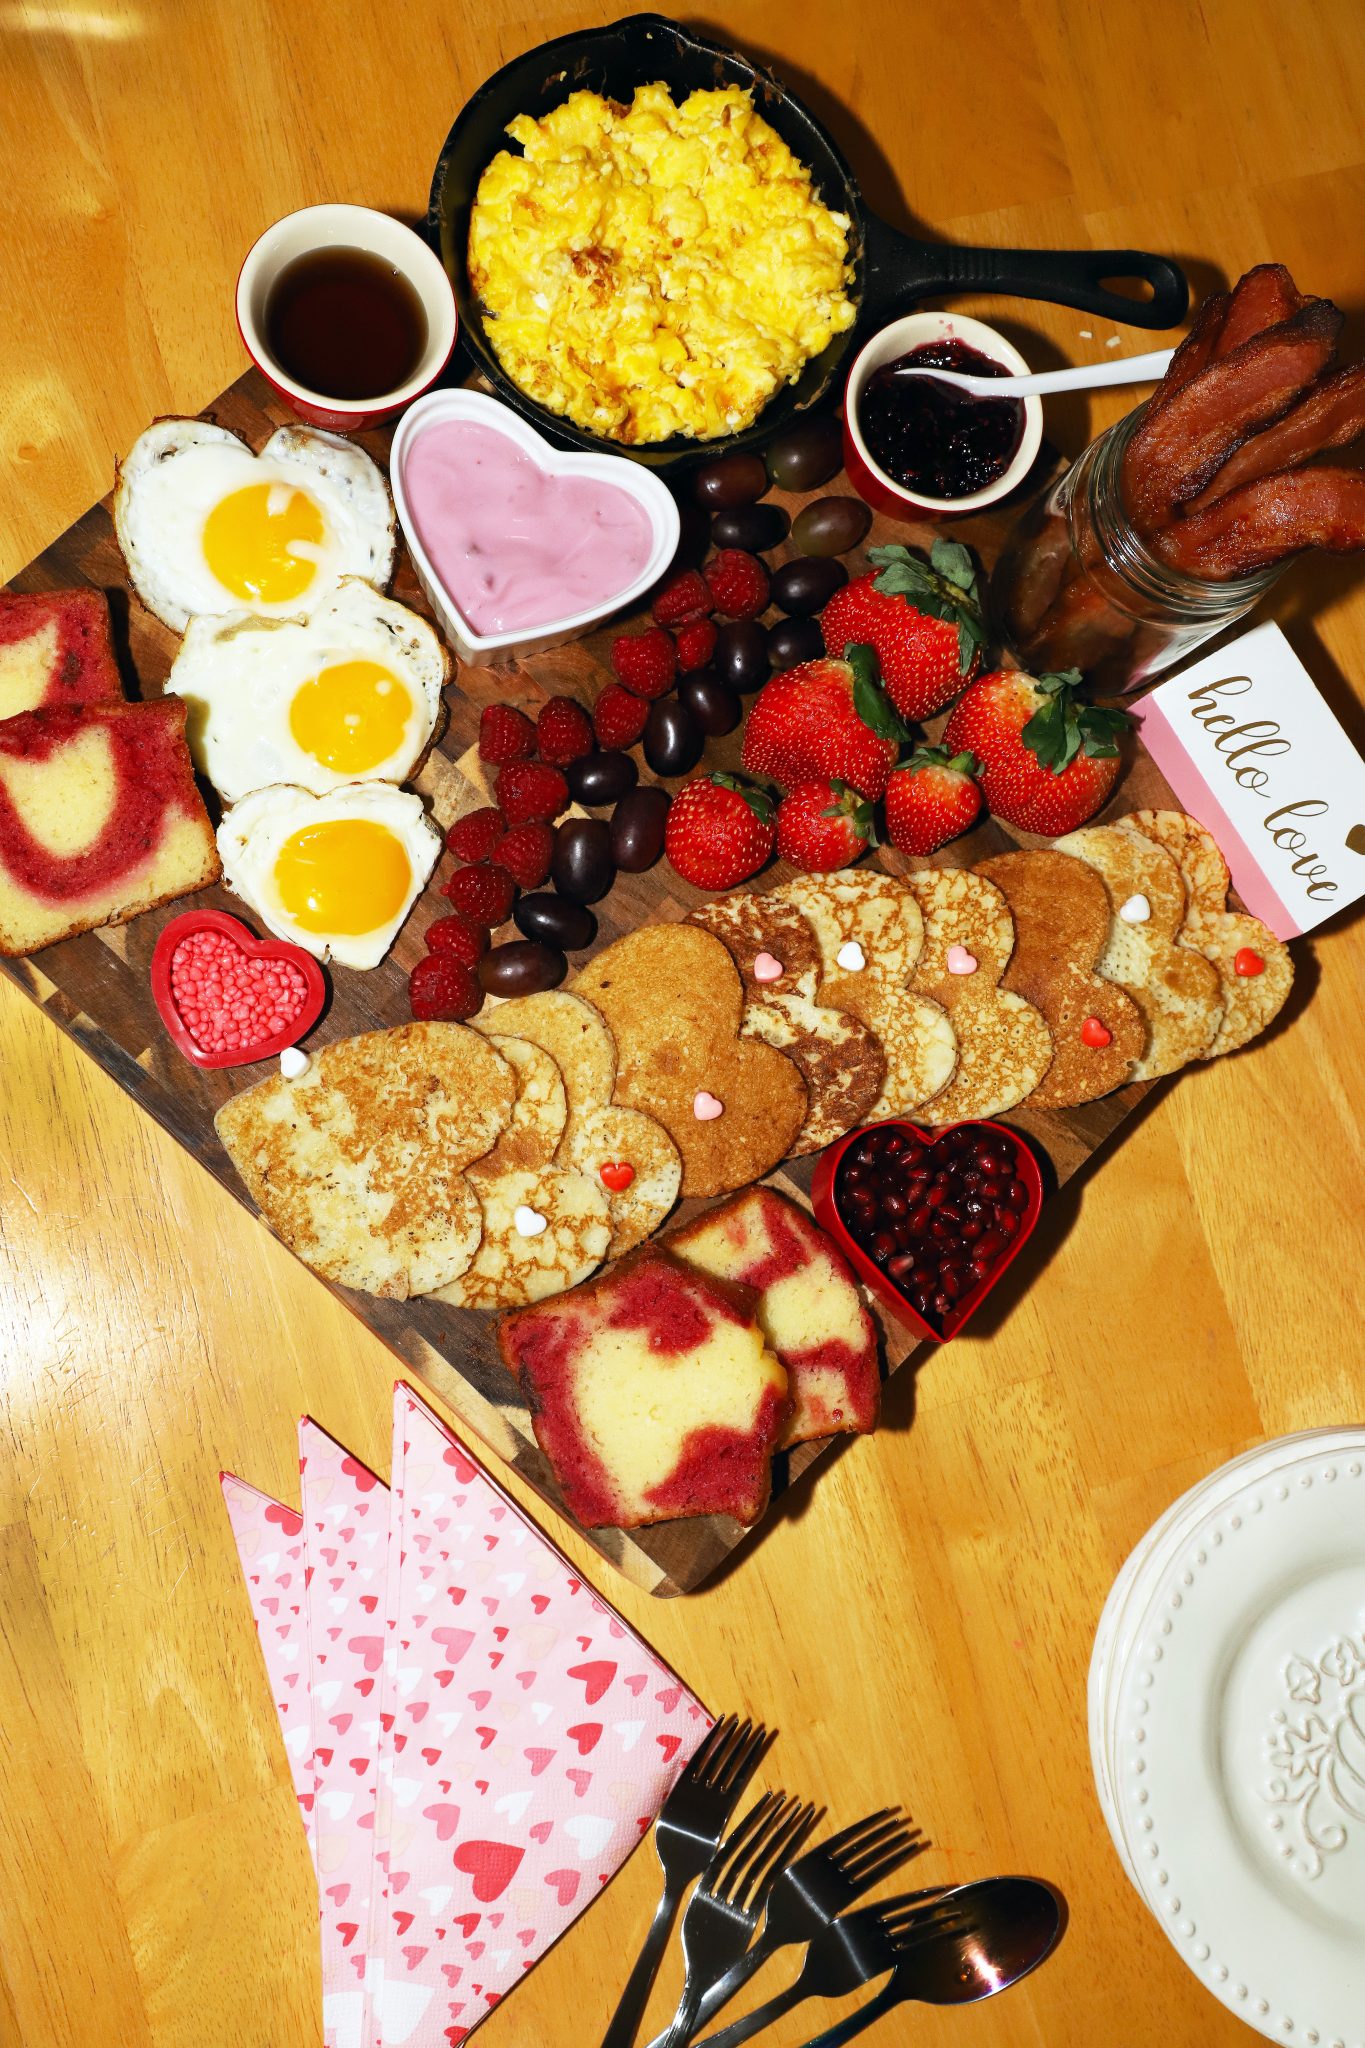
[346, 227]
[872, 484]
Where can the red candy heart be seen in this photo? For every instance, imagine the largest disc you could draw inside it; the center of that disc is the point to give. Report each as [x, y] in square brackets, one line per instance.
[984, 1179]
[1096, 1033]
[617, 1174]
[1248, 962]
[229, 999]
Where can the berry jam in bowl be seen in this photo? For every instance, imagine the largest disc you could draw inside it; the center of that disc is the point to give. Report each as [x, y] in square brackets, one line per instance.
[912, 446]
[929, 1220]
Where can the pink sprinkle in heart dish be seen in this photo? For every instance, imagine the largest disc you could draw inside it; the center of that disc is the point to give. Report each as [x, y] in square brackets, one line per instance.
[518, 546]
[229, 999]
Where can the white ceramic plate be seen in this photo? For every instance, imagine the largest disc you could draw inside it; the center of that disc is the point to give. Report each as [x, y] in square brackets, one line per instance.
[1238, 1753]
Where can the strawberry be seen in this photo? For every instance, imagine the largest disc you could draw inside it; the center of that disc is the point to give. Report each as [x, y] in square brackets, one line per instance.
[696, 645]
[738, 583]
[825, 718]
[683, 598]
[646, 662]
[931, 799]
[922, 618]
[531, 793]
[505, 734]
[485, 894]
[618, 717]
[525, 853]
[474, 836]
[1048, 759]
[563, 731]
[445, 988]
[824, 825]
[458, 937]
[720, 831]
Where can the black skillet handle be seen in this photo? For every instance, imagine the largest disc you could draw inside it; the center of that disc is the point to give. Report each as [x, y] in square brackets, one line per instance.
[901, 271]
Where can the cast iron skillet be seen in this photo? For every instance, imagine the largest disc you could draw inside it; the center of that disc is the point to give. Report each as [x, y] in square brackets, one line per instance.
[891, 271]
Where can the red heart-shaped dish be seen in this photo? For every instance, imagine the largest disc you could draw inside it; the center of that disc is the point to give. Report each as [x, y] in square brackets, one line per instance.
[929, 1220]
[283, 986]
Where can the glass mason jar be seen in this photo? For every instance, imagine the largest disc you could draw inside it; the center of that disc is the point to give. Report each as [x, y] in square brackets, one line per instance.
[1077, 586]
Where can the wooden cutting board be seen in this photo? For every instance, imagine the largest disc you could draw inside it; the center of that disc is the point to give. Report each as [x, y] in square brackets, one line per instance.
[97, 989]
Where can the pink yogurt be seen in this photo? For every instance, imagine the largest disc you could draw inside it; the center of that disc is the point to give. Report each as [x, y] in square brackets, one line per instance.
[515, 545]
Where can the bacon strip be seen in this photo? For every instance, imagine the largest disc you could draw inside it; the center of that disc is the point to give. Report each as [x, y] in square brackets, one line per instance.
[1264, 521]
[1195, 352]
[1177, 447]
[1329, 415]
[1260, 299]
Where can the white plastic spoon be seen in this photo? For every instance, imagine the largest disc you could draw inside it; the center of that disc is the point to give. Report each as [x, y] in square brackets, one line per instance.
[1148, 369]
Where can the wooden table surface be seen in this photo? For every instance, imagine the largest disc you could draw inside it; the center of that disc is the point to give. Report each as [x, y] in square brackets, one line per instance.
[918, 1623]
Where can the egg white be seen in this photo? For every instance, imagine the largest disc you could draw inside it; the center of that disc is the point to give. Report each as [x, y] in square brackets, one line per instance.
[254, 830]
[240, 675]
[179, 470]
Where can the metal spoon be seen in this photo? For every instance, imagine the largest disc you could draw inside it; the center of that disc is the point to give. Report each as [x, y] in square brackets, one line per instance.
[1148, 369]
[1009, 1926]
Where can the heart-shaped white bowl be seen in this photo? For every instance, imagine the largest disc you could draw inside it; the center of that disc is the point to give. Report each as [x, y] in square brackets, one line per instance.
[641, 484]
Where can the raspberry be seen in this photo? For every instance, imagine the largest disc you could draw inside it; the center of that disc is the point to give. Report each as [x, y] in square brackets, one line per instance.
[458, 937]
[525, 853]
[485, 894]
[738, 584]
[684, 597]
[563, 731]
[531, 793]
[444, 988]
[474, 836]
[505, 735]
[618, 717]
[646, 662]
[696, 645]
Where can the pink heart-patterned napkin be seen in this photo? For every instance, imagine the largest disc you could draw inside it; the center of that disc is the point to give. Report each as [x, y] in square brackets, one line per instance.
[482, 1742]
[269, 1538]
[535, 1738]
[346, 1534]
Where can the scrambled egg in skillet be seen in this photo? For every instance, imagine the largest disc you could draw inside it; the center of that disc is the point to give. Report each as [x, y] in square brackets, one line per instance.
[657, 269]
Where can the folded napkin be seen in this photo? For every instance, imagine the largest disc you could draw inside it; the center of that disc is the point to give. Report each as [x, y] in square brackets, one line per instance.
[489, 1740]
[269, 1538]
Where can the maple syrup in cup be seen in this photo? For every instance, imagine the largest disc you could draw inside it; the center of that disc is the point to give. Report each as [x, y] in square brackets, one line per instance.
[345, 322]
[348, 314]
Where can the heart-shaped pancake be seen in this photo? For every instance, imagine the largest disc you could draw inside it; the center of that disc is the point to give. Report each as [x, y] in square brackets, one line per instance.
[673, 999]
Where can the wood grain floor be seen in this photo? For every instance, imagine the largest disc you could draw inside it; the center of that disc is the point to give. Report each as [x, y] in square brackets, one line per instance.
[919, 1623]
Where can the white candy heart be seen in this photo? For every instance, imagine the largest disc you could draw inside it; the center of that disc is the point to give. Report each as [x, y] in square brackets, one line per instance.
[293, 1062]
[706, 1107]
[767, 968]
[960, 961]
[529, 1222]
[1136, 910]
[851, 956]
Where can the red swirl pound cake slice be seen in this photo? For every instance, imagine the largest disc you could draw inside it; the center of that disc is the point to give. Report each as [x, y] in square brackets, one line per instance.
[652, 1393]
[99, 819]
[809, 1307]
[55, 648]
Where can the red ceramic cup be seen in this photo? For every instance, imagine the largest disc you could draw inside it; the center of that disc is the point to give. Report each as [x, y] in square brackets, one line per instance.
[824, 1202]
[872, 483]
[346, 227]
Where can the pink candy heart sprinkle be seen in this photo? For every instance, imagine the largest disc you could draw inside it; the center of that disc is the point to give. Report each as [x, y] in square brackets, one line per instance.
[228, 1000]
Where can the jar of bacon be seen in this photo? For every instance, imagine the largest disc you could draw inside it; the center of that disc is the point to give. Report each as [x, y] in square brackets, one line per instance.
[1079, 586]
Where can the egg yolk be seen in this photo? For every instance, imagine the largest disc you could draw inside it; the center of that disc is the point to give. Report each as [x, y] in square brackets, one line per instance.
[343, 875]
[264, 541]
[351, 716]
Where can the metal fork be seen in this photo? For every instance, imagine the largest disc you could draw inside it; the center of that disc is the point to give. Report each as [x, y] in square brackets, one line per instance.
[687, 1833]
[728, 1903]
[814, 1890]
[851, 1951]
